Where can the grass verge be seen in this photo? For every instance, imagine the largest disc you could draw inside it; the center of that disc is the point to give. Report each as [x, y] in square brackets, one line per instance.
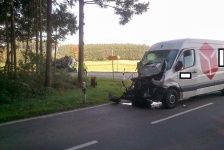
[61, 100]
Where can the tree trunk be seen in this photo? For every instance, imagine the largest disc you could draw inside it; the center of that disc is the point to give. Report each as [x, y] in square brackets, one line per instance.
[7, 37]
[27, 44]
[13, 39]
[41, 45]
[55, 56]
[49, 44]
[81, 43]
[55, 51]
[37, 35]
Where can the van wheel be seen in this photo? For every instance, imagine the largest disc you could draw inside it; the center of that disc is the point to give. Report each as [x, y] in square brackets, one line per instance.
[170, 99]
[135, 103]
[222, 91]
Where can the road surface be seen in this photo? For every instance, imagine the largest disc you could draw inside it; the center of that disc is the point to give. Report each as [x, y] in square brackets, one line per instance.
[200, 126]
[118, 75]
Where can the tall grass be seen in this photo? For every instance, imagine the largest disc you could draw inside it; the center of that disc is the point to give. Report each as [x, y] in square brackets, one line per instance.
[23, 94]
[61, 100]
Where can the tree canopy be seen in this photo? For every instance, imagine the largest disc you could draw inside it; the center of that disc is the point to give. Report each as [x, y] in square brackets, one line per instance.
[125, 8]
[50, 21]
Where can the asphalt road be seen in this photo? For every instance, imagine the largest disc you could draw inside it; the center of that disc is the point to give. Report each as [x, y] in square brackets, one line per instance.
[200, 126]
[118, 75]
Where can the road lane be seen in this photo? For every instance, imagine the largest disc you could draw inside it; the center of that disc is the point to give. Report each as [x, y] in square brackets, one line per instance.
[118, 75]
[82, 145]
[123, 127]
[181, 113]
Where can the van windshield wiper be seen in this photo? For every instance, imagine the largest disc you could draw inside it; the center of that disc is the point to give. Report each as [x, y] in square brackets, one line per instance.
[148, 63]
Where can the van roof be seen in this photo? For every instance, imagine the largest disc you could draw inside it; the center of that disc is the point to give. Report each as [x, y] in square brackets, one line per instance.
[180, 43]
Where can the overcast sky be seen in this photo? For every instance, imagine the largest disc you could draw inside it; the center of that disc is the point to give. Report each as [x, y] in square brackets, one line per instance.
[165, 20]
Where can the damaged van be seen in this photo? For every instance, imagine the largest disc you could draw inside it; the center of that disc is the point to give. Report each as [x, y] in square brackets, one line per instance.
[175, 70]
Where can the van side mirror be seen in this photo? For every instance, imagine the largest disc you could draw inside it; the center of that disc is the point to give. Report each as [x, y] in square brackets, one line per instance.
[179, 66]
[138, 64]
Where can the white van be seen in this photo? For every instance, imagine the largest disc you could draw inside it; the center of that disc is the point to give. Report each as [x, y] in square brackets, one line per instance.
[178, 69]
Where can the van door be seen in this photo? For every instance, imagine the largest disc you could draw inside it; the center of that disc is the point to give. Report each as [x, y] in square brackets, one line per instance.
[187, 65]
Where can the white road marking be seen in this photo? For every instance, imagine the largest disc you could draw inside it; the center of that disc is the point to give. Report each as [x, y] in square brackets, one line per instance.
[82, 145]
[176, 115]
[52, 115]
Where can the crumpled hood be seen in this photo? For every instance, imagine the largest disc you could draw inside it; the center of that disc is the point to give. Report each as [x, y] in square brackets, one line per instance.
[152, 69]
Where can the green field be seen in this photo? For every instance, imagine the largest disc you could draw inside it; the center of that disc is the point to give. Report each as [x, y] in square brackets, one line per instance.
[106, 66]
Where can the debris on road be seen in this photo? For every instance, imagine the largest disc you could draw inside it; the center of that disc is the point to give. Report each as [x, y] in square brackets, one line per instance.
[156, 105]
[184, 106]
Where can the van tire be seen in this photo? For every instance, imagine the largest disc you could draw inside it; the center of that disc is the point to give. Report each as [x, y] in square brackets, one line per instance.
[135, 103]
[170, 99]
[222, 91]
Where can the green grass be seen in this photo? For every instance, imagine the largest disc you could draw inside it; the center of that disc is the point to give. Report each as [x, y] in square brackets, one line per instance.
[61, 100]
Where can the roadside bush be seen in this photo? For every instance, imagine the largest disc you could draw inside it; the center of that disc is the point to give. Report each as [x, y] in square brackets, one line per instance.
[62, 80]
[29, 61]
[25, 85]
[4, 94]
[4, 98]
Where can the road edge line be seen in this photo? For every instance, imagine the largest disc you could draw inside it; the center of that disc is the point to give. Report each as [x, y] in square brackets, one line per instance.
[181, 113]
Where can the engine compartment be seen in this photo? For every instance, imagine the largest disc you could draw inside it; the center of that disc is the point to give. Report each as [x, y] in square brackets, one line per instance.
[142, 91]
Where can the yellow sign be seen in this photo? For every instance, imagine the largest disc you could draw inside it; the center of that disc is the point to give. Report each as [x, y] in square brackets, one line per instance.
[113, 58]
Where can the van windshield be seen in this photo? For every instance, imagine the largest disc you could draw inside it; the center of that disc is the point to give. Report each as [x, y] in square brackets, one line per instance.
[155, 58]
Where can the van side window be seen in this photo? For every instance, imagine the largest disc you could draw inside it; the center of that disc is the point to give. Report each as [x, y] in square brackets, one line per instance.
[187, 58]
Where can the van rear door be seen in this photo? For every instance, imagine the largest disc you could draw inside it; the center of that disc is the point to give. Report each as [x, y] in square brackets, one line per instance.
[210, 75]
